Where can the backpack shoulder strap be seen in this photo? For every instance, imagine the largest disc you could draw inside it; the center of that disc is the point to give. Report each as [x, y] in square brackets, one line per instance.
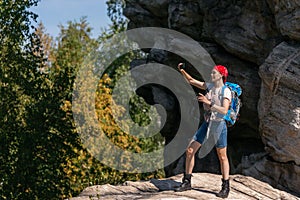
[223, 91]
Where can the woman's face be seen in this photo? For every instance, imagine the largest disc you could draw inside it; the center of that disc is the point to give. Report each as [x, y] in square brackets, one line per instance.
[215, 75]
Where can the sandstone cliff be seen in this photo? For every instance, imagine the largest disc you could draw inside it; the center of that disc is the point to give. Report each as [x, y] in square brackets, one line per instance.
[259, 41]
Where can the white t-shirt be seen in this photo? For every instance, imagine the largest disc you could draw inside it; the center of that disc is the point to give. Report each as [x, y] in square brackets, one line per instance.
[216, 97]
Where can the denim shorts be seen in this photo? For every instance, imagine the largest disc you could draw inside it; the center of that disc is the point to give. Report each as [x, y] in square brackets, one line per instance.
[218, 130]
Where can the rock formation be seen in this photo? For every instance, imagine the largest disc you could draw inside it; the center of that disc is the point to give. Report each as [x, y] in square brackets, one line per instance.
[205, 186]
[259, 42]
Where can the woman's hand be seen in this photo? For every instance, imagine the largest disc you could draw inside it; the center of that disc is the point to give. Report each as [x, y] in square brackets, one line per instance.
[180, 66]
[203, 99]
[189, 78]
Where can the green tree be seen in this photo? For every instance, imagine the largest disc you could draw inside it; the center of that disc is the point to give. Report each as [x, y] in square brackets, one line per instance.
[17, 78]
[73, 44]
[115, 13]
[41, 154]
[82, 169]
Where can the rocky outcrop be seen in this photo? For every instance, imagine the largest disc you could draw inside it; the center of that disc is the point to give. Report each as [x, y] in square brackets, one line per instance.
[246, 29]
[259, 41]
[205, 186]
[279, 106]
[279, 114]
[287, 16]
[281, 175]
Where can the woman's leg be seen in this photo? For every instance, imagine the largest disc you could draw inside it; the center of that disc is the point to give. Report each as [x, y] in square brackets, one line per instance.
[194, 146]
[190, 156]
[222, 154]
[221, 147]
[225, 172]
[189, 165]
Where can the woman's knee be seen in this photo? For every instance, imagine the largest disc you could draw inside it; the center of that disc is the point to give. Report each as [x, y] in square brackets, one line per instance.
[190, 151]
[193, 148]
[222, 154]
[223, 158]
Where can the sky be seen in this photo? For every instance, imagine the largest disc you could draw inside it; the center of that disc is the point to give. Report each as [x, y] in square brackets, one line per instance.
[52, 13]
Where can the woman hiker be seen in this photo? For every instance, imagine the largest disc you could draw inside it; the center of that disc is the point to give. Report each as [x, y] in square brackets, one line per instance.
[216, 102]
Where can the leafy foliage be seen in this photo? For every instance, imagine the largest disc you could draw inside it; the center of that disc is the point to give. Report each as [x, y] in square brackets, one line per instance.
[41, 153]
[92, 171]
[21, 90]
[115, 13]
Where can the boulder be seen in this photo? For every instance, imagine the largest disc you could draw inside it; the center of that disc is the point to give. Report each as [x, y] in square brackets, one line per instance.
[287, 16]
[282, 175]
[279, 107]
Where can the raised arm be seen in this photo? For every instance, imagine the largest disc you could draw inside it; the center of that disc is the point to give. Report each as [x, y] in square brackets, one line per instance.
[190, 79]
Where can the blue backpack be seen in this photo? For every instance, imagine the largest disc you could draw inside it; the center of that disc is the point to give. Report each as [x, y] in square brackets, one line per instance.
[233, 112]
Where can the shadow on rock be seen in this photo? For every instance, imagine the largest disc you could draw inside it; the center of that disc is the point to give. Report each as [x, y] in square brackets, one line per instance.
[164, 185]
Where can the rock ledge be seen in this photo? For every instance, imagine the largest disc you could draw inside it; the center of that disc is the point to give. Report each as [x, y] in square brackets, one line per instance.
[205, 186]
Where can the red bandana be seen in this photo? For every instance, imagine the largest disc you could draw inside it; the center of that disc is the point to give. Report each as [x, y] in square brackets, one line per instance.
[223, 71]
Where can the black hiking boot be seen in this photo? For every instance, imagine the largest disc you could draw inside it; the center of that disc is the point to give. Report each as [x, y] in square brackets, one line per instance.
[186, 183]
[225, 189]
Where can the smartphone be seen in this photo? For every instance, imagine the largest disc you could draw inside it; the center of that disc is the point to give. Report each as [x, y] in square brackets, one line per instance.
[182, 66]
